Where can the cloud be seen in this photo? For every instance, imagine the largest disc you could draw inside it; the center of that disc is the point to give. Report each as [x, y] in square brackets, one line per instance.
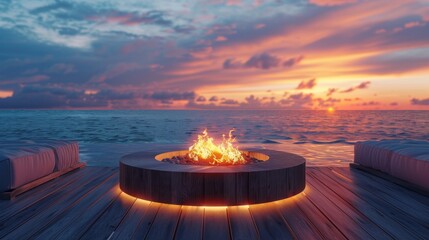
[214, 99]
[51, 97]
[117, 70]
[158, 47]
[133, 18]
[417, 101]
[331, 2]
[173, 96]
[51, 36]
[221, 39]
[331, 91]
[50, 7]
[62, 68]
[5, 93]
[264, 61]
[229, 102]
[201, 99]
[371, 103]
[231, 63]
[309, 84]
[328, 102]
[298, 100]
[362, 85]
[259, 26]
[292, 61]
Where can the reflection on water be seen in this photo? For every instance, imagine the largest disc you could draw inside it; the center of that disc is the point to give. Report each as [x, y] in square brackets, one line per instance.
[322, 137]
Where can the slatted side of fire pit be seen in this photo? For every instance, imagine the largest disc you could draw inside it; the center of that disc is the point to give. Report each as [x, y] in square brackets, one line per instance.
[282, 176]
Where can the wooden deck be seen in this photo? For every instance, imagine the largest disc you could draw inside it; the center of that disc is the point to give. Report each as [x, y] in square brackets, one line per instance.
[338, 203]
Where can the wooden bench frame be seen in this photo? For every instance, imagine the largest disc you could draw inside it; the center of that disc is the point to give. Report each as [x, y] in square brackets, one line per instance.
[378, 173]
[11, 194]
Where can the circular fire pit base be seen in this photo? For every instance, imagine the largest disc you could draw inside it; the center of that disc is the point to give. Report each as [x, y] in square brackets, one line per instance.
[278, 176]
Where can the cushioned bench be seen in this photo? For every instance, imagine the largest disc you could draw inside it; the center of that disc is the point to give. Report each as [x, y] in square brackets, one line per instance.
[26, 164]
[404, 159]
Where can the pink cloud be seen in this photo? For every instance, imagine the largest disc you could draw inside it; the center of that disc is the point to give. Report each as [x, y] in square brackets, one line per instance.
[370, 103]
[292, 61]
[221, 39]
[331, 2]
[263, 61]
[259, 26]
[201, 99]
[362, 85]
[309, 84]
[413, 24]
[229, 102]
[214, 99]
[233, 2]
[222, 29]
[417, 101]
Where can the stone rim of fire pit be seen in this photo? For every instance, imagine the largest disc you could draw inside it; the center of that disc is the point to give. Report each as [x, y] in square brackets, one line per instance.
[279, 177]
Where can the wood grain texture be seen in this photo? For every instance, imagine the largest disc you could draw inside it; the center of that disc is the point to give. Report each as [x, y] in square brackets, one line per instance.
[241, 223]
[392, 221]
[279, 177]
[216, 224]
[190, 226]
[338, 203]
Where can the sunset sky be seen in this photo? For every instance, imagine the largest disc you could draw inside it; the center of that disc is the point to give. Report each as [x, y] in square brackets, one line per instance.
[213, 54]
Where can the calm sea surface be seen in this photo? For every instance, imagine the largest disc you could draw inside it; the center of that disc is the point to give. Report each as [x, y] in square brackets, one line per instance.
[323, 138]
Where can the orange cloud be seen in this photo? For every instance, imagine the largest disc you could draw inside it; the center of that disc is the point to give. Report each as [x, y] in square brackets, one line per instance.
[5, 93]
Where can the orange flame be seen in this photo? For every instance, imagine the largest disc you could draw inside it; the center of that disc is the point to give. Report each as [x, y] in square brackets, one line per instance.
[204, 149]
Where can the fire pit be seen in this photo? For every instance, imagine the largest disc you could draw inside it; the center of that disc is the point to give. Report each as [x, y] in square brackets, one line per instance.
[179, 177]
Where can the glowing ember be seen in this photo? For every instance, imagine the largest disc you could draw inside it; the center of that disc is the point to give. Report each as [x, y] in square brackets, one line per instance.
[204, 149]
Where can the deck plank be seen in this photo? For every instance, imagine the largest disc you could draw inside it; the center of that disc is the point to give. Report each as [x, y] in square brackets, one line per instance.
[33, 218]
[241, 223]
[360, 220]
[215, 225]
[131, 221]
[147, 221]
[105, 225]
[413, 221]
[390, 220]
[388, 192]
[318, 219]
[338, 203]
[74, 220]
[298, 221]
[11, 207]
[190, 226]
[347, 224]
[165, 224]
[270, 223]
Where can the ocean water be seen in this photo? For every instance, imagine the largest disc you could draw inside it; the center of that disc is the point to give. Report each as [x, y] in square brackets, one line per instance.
[323, 138]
